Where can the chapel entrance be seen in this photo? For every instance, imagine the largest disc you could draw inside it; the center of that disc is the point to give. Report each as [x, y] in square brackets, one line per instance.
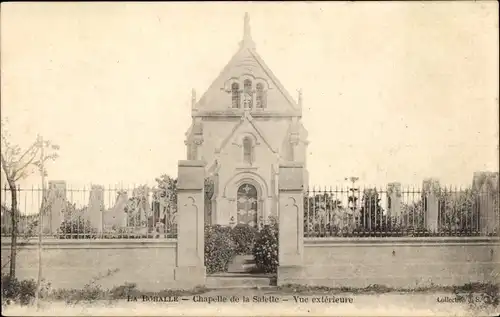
[247, 205]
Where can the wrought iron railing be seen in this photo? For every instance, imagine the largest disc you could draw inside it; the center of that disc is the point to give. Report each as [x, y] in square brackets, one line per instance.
[91, 213]
[141, 212]
[381, 212]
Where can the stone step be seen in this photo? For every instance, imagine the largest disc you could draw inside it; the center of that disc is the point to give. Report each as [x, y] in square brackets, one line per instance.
[241, 264]
[243, 258]
[234, 280]
[240, 268]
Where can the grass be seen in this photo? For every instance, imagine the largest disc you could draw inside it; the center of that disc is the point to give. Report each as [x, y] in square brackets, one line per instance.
[381, 289]
[479, 296]
[92, 293]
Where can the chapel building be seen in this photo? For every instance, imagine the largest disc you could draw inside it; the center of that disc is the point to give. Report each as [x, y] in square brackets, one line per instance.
[243, 126]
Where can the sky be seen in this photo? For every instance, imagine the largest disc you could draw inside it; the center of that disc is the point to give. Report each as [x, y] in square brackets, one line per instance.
[392, 91]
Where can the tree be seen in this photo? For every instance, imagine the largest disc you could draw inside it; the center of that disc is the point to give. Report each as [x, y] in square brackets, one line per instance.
[321, 213]
[27, 227]
[137, 207]
[17, 164]
[412, 216]
[352, 201]
[165, 202]
[74, 224]
[166, 191]
[372, 218]
[458, 211]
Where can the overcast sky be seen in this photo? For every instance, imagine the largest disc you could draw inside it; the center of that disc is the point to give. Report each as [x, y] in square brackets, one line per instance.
[392, 91]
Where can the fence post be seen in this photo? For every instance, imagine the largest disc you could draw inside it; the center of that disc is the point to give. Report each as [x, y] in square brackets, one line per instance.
[96, 207]
[56, 202]
[291, 223]
[485, 184]
[431, 189]
[394, 194]
[190, 269]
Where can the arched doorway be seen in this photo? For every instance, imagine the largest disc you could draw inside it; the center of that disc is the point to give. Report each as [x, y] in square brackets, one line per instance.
[247, 205]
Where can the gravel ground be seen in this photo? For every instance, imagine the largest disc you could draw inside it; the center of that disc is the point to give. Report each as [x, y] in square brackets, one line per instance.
[388, 304]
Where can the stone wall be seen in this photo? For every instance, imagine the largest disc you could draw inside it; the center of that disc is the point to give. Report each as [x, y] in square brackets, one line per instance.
[74, 263]
[334, 262]
[399, 262]
[395, 262]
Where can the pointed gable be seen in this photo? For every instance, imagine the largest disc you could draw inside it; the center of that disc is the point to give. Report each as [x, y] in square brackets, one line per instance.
[246, 125]
[246, 64]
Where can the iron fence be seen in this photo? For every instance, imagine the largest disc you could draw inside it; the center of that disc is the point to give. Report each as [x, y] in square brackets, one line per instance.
[142, 212]
[379, 212]
[91, 213]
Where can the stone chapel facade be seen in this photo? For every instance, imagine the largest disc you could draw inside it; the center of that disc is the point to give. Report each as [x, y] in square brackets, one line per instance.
[243, 126]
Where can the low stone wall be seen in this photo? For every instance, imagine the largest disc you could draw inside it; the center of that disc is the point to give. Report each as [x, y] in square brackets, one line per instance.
[399, 262]
[333, 262]
[73, 263]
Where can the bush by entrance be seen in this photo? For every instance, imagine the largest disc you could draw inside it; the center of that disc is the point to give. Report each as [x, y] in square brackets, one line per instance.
[265, 250]
[244, 238]
[219, 248]
[222, 243]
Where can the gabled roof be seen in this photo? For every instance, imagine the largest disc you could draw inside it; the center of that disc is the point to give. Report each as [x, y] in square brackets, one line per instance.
[274, 79]
[251, 62]
[247, 118]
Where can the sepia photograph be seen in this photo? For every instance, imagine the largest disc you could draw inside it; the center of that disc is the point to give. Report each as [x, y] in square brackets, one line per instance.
[319, 158]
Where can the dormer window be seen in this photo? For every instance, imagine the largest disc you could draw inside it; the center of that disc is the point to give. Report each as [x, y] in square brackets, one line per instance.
[248, 97]
[235, 92]
[260, 99]
[247, 150]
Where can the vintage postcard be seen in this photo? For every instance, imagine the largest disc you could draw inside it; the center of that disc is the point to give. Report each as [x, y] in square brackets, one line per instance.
[250, 159]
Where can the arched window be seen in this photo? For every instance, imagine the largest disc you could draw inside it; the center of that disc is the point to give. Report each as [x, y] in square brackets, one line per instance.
[260, 99]
[247, 150]
[247, 205]
[248, 97]
[235, 91]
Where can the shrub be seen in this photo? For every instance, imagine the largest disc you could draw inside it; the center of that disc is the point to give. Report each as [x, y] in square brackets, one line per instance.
[129, 233]
[219, 248]
[123, 291]
[480, 296]
[265, 250]
[89, 293]
[78, 228]
[17, 291]
[244, 238]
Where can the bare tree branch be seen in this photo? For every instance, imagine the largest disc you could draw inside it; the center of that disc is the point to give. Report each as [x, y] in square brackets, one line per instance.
[5, 169]
[21, 172]
[15, 164]
[33, 146]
